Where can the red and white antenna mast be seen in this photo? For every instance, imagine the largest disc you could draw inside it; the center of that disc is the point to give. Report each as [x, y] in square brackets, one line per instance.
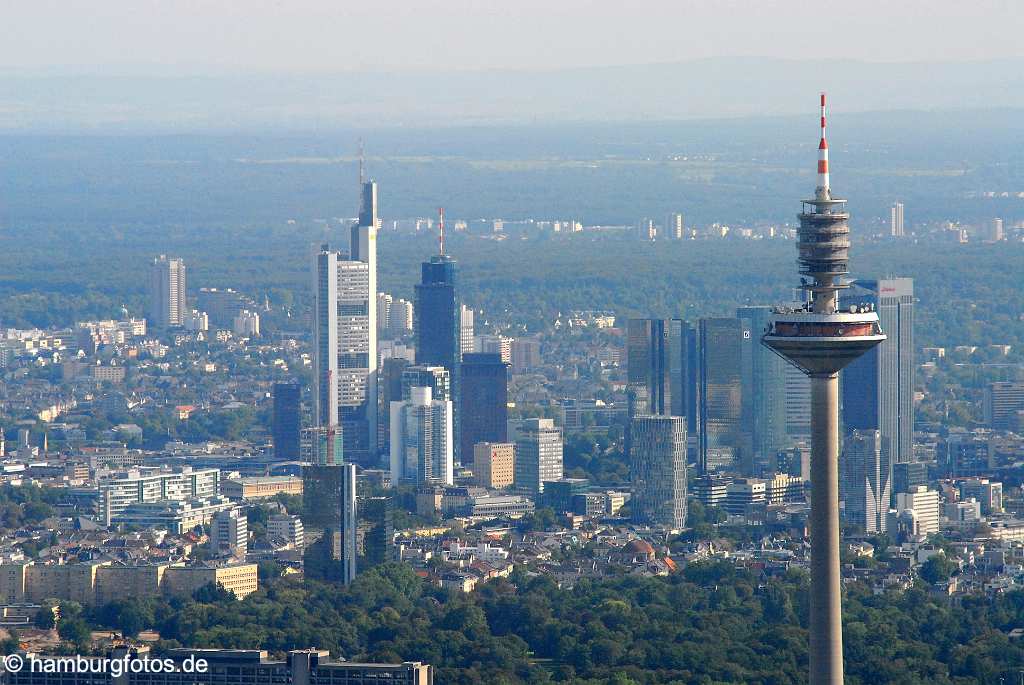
[440, 211]
[823, 184]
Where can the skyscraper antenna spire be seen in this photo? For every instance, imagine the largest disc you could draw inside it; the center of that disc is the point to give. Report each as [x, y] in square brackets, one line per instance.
[362, 164]
[440, 211]
[822, 190]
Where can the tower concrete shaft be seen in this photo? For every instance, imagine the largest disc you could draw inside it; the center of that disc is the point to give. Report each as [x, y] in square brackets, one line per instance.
[826, 629]
[820, 340]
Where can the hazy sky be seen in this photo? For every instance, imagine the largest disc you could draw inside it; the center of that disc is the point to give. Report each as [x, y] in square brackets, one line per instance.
[303, 35]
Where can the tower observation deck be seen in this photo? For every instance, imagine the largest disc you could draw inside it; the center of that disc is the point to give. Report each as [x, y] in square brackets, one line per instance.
[820, 340]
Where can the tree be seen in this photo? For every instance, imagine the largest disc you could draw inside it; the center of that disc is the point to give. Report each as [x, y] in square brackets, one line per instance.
[937, 569]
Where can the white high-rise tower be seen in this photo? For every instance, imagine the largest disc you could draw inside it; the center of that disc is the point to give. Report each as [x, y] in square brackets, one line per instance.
[168, 295]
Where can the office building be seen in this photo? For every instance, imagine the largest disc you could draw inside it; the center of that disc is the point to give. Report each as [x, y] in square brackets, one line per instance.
[988, 493]
[1001, 403]
[321, 497]
[878, 389]
[494, 464]
[437, 378]
[559, 494]
[720, 410]
[798, 405]
[168, 293]
[484, 403]
[908, 474]
[996, 233]
[467, 340]
[288, 528]
[763, 393]
[400, 322]
[795, 461]
[525, 354]
[538, 455]
[746, 497]
[821, 340]
[865, 481]
[710, 489]
[389, 389]
[494, 344]
[422, 439]
[119, 490]
[684, 371]
[438, 320]
[648, 351]
[658, 470]
[896, 221]
[676, 227]
[918, 511]
[286, 426]
[383, 315]
[377, 514]
[229, 533]
[349, 521]
[239, 666]
[222, 305]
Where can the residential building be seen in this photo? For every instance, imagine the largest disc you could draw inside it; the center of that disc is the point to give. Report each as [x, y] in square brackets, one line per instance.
[422, 439]
[658, 470]
[168, 293]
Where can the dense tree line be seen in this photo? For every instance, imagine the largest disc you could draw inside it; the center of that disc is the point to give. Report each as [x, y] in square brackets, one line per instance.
[710, 624]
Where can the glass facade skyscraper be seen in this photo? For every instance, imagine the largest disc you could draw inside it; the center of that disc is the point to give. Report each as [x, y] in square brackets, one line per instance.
[287, 421]
[484, 403]
[649, 362]
[720, 410]
[763, 392]
[878, 389]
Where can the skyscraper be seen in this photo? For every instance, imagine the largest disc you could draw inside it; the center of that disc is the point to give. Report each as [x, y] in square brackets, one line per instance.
[389, 389]
[484, 402]
[878, 389]
[437, 315]
[168, 292]
[676, 229]
[648, 362]
[438, 323]
[378, 542]
[896, 220]
[684, 368]
[422, 439]
[865, 481]
[345, 335]
[763, 392]
[436, 378]
[658, 470]
[466, 329]
[720, 411]
[820, 340]
[287, 421]
[538, 455]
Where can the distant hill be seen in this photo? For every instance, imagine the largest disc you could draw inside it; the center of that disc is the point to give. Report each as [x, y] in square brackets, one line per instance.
[718, 87]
